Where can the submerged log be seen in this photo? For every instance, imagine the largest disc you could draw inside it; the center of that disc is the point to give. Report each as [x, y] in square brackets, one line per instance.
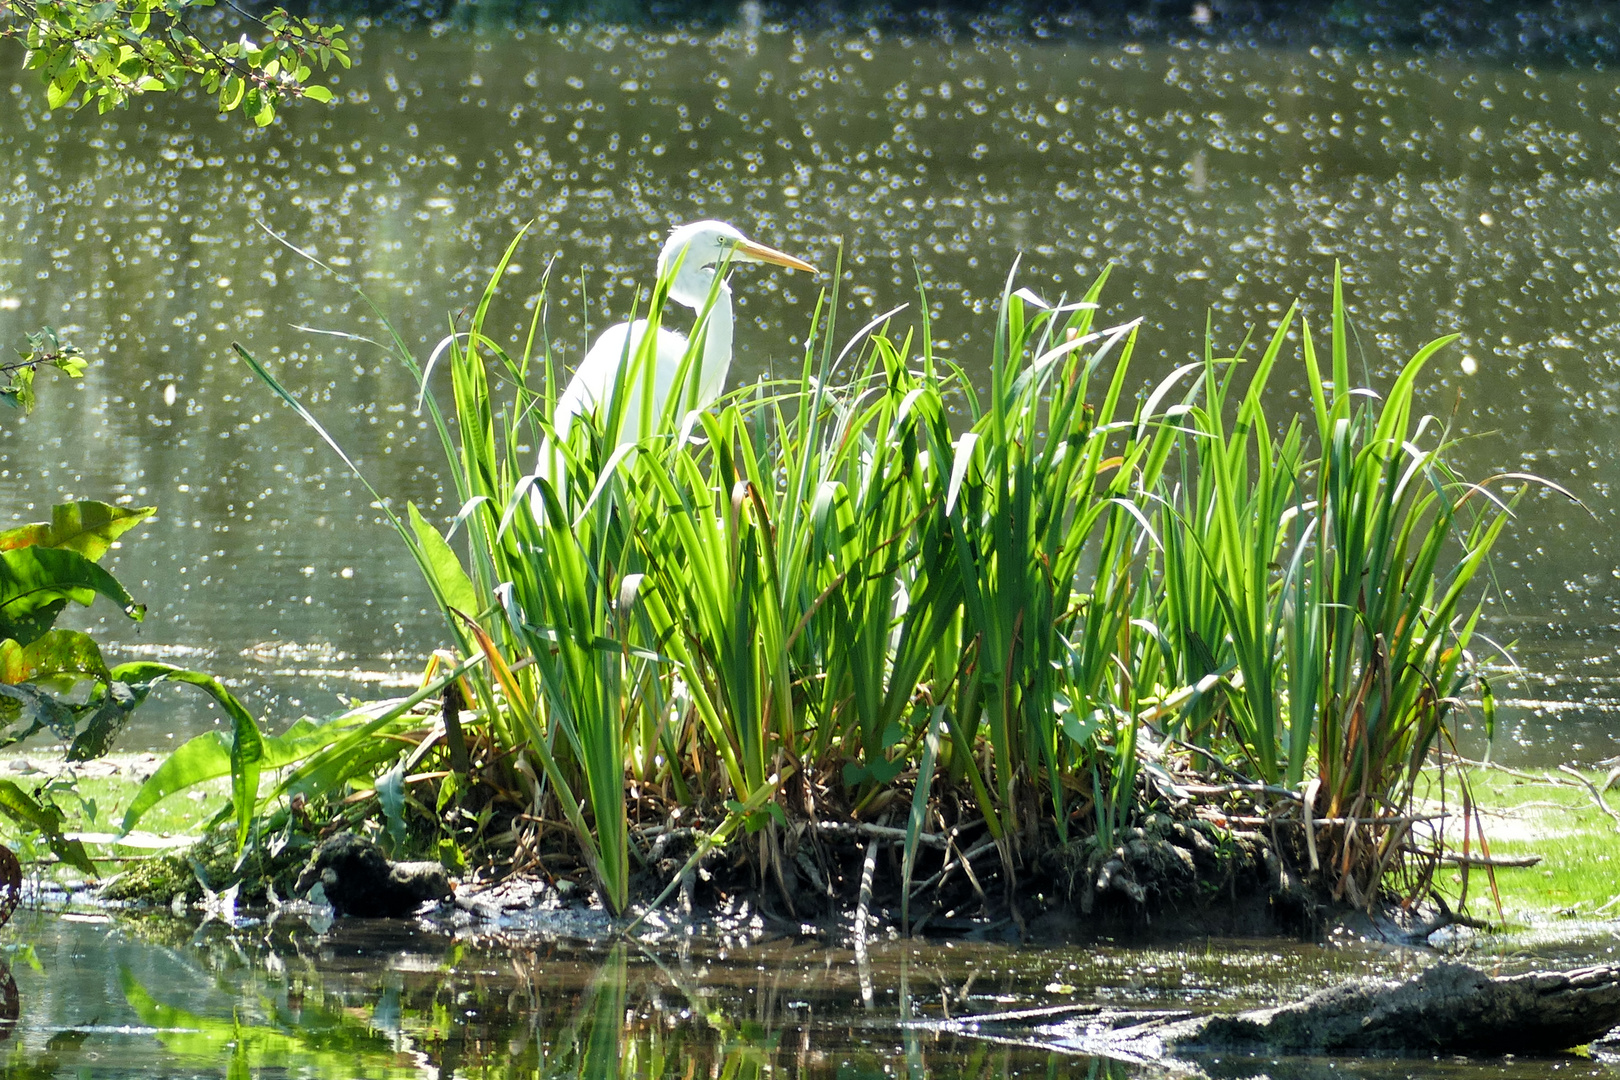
[1449, 1008]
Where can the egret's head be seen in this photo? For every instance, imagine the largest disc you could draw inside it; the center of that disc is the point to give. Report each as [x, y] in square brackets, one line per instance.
[702, 248]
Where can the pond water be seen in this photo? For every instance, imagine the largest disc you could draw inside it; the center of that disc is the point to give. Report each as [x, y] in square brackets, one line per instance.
[119, 996]
[1465, 196]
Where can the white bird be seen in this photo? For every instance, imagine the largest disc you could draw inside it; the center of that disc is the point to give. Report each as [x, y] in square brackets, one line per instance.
[696, 253]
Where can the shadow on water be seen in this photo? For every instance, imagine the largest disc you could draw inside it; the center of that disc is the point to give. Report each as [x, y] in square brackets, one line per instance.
[154, 996]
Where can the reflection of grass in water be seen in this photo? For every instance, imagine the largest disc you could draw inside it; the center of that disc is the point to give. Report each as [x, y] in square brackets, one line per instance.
[1549, 815]
[466, 1027]
[314, 1040]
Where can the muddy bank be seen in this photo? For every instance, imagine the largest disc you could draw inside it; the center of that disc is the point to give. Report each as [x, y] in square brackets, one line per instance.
[841, 883]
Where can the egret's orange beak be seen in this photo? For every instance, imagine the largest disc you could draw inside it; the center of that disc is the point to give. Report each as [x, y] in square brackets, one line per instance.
[749, 251]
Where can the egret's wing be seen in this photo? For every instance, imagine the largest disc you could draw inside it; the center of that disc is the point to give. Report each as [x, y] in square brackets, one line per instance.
[592, 384]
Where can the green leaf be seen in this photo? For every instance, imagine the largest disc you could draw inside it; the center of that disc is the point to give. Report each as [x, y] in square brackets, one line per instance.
[57, 94]
[107, 717]
[447, 792]
[17, 805]
[22, 388]
[207, 757]
[318, 93]
[57, 659]
[246, 745]
[391, 794]
[883, 771]
[231, 93]
[71, 366]
[87, 527]
[1081, 731]
[36, 583]
[919, 810]
[450, 581]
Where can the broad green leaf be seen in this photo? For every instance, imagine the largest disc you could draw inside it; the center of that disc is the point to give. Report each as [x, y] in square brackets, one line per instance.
[36, 583]
[318, 93]
[206, 757]
[246, 745]
[57, 659]
[21, 389]
[87, 527]
[447, 791]
[449, 579]
[107, 716]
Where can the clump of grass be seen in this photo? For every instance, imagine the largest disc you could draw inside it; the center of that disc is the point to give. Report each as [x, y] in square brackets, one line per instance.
[878, 579]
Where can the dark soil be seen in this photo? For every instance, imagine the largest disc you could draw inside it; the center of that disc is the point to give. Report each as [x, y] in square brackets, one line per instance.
[1230, 861]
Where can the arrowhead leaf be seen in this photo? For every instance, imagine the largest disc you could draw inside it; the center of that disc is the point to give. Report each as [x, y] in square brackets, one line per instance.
[37, 582]
[58, 659]
[87, 527]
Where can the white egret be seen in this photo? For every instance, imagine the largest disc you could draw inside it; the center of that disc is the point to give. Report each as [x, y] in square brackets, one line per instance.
[697, 253]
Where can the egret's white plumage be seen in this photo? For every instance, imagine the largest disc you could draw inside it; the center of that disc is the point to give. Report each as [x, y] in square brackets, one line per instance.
[697, 253]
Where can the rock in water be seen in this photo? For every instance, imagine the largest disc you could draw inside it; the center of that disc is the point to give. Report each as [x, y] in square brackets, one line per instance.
[359, 880]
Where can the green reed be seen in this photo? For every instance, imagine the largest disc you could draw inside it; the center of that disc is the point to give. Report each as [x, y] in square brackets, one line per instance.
[875, 583]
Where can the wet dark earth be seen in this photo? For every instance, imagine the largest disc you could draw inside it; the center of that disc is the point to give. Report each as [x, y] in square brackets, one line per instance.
[122, 995]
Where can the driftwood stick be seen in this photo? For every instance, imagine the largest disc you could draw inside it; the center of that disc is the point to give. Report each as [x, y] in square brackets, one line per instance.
[1406, 819]
[1232, 789]
[1540, 778]
[984, 847]
[1453, 859]
[1597, 796]
[875, 832]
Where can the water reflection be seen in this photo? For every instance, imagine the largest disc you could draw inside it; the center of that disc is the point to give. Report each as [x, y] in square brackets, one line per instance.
[548, 1015]
[1463, 196]
[150, 996]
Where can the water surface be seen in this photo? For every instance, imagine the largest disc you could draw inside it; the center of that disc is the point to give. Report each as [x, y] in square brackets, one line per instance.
[158, 996]
[1218, 182]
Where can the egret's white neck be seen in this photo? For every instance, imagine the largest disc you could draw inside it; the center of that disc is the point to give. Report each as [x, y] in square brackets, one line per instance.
[717, 332]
